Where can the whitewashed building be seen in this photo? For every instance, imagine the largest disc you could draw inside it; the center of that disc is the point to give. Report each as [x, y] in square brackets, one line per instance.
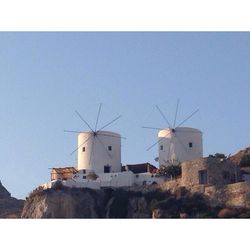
[179, 144]
[99, 152]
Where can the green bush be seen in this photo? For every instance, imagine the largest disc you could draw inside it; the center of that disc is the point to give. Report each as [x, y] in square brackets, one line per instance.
[170, 171]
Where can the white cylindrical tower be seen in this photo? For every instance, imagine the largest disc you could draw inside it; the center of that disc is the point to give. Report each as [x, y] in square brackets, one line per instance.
[99, 152]
[179, 144]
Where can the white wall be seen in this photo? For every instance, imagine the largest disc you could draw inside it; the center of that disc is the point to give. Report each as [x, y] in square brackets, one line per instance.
[147, 179]
[122, 179]
[82, 184]
[176, 145]
[96, 154]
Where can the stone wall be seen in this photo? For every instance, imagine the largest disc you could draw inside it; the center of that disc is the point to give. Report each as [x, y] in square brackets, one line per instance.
[232, 195]
[220, 171]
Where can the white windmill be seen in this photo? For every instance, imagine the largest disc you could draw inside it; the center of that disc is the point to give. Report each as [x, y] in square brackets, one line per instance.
[99, 151]
[176, 143]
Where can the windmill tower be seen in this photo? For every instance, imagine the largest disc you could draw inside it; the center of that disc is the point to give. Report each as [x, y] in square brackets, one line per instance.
[177, 144]
[98, 151]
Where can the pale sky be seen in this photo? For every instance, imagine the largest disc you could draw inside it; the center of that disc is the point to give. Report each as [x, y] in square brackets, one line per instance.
[46, 76]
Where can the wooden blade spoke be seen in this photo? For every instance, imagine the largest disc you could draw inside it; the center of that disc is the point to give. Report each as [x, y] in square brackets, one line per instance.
[176, 111]
[109, 123]
[188, 118]
[97, 137]
[98, 115]
[72, 131]
[164, 117]
[152, 128]
[116, 136]
[81, 145]
[84, 120]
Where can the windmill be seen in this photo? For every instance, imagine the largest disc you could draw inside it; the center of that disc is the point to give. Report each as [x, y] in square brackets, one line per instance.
[99, 151]
[176, 143]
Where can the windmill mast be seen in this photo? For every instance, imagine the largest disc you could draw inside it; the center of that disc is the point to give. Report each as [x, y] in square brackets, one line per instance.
[98, 150]
[177, 143]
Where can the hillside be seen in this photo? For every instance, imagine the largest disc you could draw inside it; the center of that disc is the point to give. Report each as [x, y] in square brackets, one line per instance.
[10, 207]
[150, 202]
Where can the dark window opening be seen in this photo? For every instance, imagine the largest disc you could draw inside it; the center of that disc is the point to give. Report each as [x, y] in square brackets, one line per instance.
[161, 147]
[203, 177]
[106, 169]
[109, 148]
[83, 149]
[137, 176]
[84, 177]
[84, 171]
[190, 144]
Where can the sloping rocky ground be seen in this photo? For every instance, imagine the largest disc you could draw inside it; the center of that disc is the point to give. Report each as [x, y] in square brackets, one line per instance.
[9, 207]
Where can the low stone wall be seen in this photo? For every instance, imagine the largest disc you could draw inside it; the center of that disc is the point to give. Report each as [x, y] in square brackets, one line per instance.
[232, 195]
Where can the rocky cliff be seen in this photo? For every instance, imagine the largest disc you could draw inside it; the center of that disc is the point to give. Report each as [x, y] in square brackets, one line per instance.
[10, 207]
[142, 202]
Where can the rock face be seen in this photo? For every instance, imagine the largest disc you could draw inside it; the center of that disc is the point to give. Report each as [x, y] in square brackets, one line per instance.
[9, 207]
[63, 202]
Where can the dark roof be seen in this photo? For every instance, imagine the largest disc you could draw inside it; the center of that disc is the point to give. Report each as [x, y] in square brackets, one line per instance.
[139, 168]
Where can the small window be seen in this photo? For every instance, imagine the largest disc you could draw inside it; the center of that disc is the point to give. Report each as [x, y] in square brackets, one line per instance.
[84, 171]
[83, 149]
[203, 177]
[161, 147]
[106, 169]
[84, 177]
[190, 144]
[109, 148]
[137, 176]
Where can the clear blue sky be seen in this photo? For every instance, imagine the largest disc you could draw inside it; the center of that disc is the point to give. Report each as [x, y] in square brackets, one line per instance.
[46, 76]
